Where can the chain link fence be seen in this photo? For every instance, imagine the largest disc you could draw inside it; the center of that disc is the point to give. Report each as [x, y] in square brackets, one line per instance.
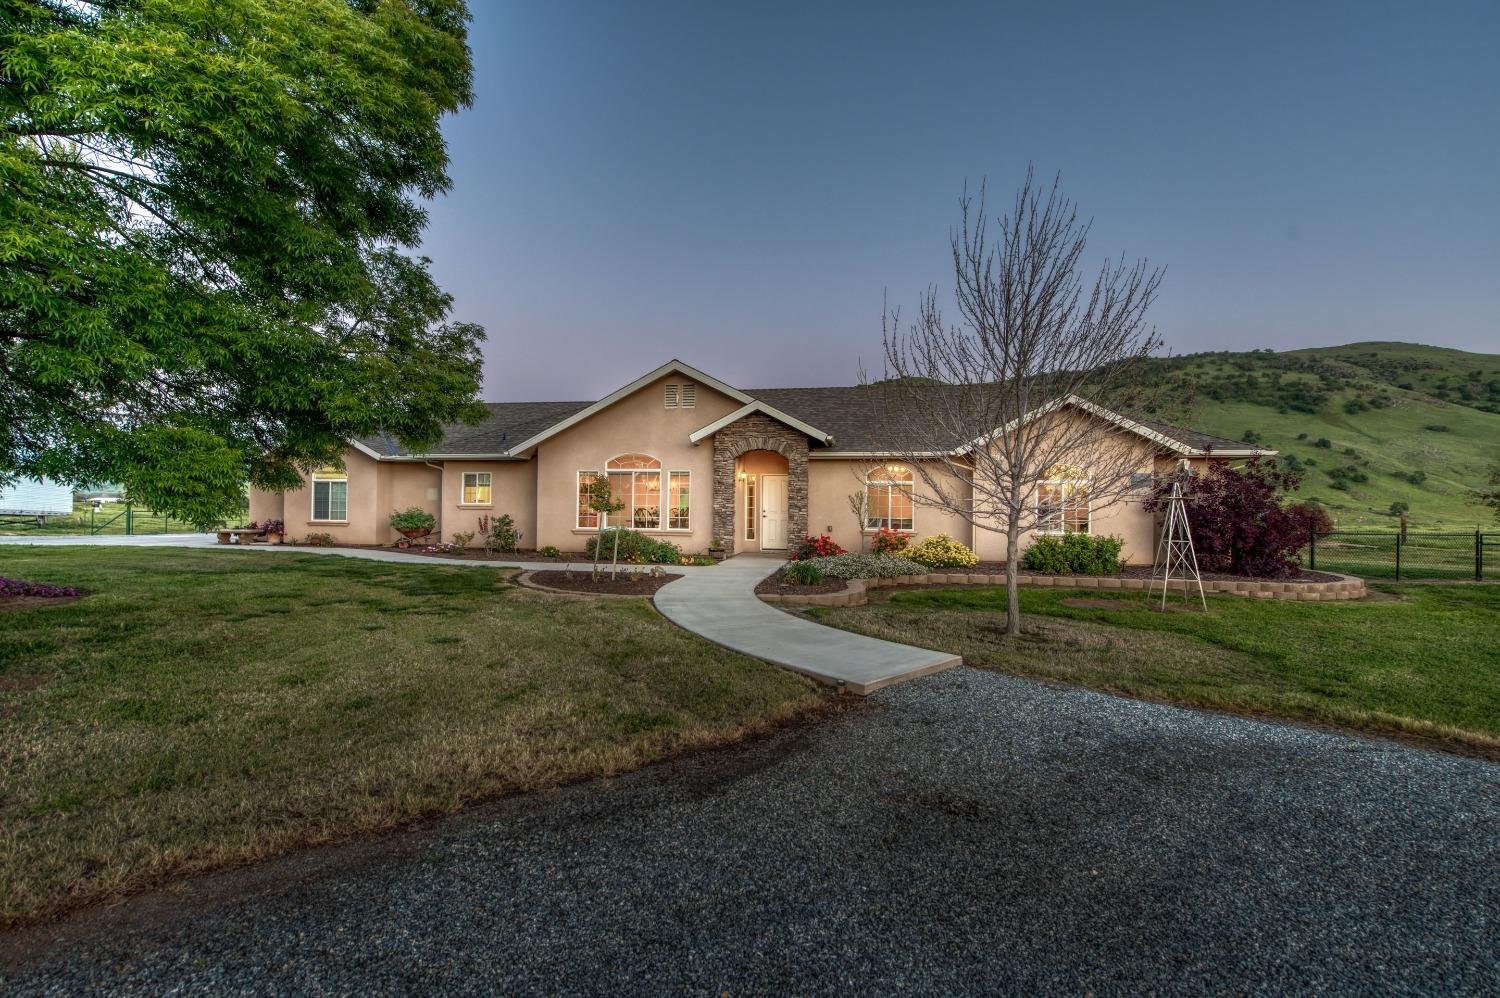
[1409, 554]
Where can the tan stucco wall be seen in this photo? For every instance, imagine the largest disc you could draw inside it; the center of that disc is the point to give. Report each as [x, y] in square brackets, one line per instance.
[512, 490]
[636, 424]
[831, 482]
[1122, 517]
[366, 491]
[376, 489]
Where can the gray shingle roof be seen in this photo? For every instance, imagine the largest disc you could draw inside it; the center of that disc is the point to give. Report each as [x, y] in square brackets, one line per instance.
[859, 417]
[509, 424]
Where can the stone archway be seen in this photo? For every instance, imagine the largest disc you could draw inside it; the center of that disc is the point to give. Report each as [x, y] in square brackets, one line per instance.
[759, 432]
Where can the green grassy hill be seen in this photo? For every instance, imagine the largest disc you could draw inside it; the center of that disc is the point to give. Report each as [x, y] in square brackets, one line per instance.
[1368, 424]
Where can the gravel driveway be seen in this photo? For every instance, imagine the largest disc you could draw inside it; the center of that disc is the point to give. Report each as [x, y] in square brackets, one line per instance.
[968, 832]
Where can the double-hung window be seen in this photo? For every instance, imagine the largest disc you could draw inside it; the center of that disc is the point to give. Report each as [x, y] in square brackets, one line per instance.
[888, 493]
[1062, 502]
[330, 495]
[476, 488]
[587, 518]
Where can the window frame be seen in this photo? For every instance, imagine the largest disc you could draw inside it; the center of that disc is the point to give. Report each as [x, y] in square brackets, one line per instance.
[463, 489]
[330, 479]
[874, 524]
[752, 506]
[664, 507]
[1069, 487]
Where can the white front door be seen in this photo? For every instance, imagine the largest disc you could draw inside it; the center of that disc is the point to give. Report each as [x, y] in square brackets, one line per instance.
[773, 512]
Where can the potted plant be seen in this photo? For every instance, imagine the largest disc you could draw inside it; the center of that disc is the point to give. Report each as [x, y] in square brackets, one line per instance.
[412, 524]
[716, 549]
[274, 530]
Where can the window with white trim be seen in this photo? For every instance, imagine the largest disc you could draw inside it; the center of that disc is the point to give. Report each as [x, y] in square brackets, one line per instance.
[1062, 502]
[330, 495]
[679, 500]
[888, 494]
[476, 488]
[587, 518]
[751, 513]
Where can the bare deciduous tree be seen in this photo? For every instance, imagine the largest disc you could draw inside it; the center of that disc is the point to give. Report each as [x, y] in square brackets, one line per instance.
[1026, 386]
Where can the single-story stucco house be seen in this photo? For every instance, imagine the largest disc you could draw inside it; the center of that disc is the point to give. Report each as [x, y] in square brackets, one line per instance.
[693, 459]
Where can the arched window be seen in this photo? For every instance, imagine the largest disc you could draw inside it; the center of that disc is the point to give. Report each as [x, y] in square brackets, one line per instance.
[633, 462]
[1062, 501]
[888, 493]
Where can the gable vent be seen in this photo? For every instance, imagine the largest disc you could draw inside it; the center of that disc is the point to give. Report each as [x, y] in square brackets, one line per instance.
[669, 396]
[689, 396]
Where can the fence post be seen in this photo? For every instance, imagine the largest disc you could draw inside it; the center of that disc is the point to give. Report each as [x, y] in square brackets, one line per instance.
[1398, 557]
[93, 512]
[1312, 548]
[130, 523]
[1478, 555]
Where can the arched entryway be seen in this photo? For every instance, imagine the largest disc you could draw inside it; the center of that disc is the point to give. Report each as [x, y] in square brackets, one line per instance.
[763, 447]
[761, 516]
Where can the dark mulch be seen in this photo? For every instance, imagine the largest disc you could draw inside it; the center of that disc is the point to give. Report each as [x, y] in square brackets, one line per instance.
[478, 553]
[632, 582]
[773, 586]
[34, 602]
[1144, 572]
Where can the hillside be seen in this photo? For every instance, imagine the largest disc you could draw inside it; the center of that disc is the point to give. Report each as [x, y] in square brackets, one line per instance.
[1368, 424]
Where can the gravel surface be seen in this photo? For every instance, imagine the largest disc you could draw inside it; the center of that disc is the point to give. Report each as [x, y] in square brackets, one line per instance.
[967, 832]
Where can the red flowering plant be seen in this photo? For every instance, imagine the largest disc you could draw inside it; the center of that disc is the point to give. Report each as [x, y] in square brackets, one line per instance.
[821, 546]
[888, 541]
[1240, 521]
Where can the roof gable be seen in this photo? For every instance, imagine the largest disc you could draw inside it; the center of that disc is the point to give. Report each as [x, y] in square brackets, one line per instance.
[673, 366]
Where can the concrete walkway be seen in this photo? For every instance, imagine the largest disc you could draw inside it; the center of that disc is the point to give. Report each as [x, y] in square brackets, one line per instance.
[716, 602]
[721, 606]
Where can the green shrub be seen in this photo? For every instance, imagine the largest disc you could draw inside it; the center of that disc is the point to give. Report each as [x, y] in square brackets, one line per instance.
[500, 534]
[462, 540]
[550, 552]
[318, 540]
[1435, 428]
[634, 547]
[1322, 442]
[942, 551]
[802, 573]
[1073, 554]
[414, 518]
[867, 566]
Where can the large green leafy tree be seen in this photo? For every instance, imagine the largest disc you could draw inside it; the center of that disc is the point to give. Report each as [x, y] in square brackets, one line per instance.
[205, 208]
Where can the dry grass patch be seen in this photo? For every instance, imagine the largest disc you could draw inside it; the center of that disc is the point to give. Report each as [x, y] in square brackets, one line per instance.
[206, 707]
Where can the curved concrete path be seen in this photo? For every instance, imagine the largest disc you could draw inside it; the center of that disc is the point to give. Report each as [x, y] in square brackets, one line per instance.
[721, 606]
[717, 603]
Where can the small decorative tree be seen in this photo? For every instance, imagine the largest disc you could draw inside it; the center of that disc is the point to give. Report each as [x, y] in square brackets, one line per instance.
[1240, 523]
[602, 502]
[859, 505]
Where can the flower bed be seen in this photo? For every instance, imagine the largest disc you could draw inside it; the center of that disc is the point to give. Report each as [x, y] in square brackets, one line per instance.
[775, 585]
[1325, 587]
[18, 594]
[632, 583]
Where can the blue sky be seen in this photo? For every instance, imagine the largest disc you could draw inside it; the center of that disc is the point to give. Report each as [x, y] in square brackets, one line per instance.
[738, 184]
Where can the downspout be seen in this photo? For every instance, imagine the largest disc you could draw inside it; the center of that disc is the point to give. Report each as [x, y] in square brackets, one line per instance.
[440, 470]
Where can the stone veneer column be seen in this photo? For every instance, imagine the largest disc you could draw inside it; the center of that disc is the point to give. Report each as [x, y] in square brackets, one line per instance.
[759, 432]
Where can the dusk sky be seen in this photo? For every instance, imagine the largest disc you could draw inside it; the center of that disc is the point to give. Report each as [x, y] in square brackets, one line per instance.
[738, 184]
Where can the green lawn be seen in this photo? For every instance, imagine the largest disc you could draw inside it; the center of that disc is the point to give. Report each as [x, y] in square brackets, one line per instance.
[1426, 663]
[206, 707]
